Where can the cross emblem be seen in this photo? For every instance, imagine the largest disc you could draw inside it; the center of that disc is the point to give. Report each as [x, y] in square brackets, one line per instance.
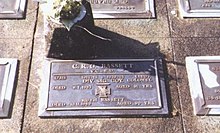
[103, 90]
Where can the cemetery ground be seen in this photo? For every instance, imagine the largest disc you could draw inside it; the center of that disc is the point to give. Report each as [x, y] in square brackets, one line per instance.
[167, 36]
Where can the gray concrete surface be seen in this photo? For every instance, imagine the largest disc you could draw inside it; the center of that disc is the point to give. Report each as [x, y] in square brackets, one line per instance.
[167, 36]
[16, 38]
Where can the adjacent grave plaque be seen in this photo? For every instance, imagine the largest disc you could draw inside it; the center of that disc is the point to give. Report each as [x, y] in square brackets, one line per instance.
[123, 8]
[103, 88]
[12, 8]
[2, 73]
[199, 8]
[204, 81]
[7, 76]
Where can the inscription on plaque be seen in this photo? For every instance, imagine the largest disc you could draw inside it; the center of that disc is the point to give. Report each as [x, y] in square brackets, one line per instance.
[104, 87]
[122, 8]
[205, 4]
[12, 8]
[204, 79]
[200, 8]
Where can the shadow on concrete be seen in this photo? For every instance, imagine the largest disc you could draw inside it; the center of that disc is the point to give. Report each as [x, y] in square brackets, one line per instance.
[79, 44]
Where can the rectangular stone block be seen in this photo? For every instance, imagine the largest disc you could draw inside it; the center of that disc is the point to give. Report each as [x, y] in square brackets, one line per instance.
[199, 8]
[12, 8]
[123, 8]
[7, 76]
[103, 88]
[203, 74]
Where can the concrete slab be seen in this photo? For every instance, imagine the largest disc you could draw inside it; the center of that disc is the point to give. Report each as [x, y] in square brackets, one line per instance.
[139, 38]
[187, 47]
[91, 47]
[21, 28]
[16, 42]
[191, 27]
[20, 49]
[132, 28]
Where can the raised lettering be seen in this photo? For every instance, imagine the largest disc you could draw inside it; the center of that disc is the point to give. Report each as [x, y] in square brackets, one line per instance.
[82, 87]
[88, 80]
[124, 86]
[58, 104]
[57, 77]
[108, 1]
[75, 66]
[217, 90]
[59, 87]
[213, 98]
[124, 103]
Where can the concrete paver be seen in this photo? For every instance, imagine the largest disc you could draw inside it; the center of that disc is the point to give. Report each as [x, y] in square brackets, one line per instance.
[167, 36]
[86, 47]
[16, 38]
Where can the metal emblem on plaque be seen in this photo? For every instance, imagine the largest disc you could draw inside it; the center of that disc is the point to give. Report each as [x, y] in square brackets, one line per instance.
[123, 8]
[7, 76]
[199, 8]
[12, 8]
[204, 80]
[103, 88]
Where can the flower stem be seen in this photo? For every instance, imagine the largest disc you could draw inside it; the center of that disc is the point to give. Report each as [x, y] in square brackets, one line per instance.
[102, 38]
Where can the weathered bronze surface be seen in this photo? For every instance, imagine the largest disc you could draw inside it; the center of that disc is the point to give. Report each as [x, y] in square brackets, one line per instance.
[105, 87]
[12, 8]
[200, 8]
[123, 8]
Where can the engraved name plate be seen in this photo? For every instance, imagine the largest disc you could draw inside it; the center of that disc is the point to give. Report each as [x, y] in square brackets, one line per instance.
[204, 74]
[103, 88]
[7, 76]
[199, 8]
[12, 8]
[123, 8]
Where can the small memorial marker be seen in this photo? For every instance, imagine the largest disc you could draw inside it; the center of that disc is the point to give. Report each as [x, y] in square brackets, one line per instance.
[2, 73]
[7, 76]
[204, 81]
[103, 88]
[199, 8]
[12, 8]
[123, 8]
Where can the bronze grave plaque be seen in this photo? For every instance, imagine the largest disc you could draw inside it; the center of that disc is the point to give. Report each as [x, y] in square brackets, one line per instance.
[204, 74]
[123, 8]
[199, 8]
[12, 8]
[7, 76]
[103, 88]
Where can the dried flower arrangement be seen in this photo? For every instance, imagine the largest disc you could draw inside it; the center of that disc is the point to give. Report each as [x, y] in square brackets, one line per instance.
[66, 12]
